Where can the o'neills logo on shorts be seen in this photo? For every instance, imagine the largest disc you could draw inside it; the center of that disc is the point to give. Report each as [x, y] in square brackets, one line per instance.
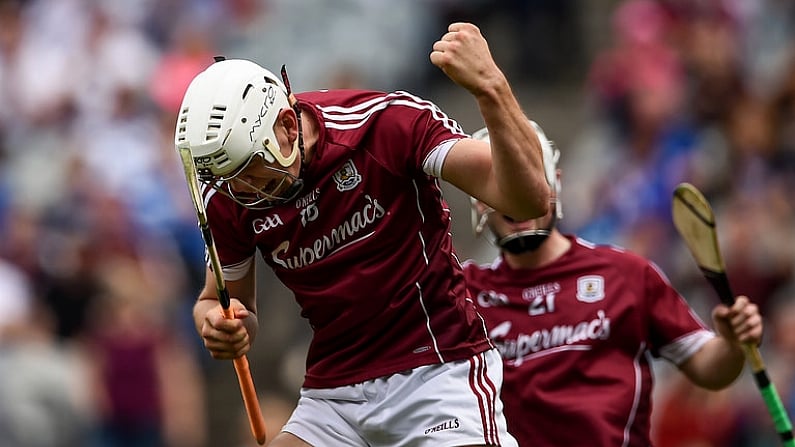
[446, 425]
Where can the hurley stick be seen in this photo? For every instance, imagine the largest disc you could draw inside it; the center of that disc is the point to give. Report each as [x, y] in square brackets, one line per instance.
[695, 221]
[255, 419]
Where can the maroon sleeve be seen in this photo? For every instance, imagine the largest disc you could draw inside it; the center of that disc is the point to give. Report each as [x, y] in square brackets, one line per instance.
[234, 240]
[670, 316]
[409, 128]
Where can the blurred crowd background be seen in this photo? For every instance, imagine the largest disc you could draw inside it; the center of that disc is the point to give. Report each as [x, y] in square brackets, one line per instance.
[100, 258]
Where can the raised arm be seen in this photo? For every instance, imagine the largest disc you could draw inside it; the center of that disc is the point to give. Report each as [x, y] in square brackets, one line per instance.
[509, 174]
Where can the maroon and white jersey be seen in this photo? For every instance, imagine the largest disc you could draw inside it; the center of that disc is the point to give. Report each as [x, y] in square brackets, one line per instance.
[576, 338]
[366, 247]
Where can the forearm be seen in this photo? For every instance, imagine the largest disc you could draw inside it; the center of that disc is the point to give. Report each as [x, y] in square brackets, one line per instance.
[515, 173]
[716, 365]
[517, 160]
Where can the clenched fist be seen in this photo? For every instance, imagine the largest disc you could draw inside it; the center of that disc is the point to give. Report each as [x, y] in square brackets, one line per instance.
[464, 56]
[740, 323]
[226, 338]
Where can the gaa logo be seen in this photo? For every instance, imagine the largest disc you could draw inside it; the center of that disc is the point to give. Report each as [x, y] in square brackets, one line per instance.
[270, 222]
[490, 298]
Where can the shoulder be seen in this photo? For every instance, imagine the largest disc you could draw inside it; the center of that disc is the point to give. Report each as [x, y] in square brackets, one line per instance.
[362, 102]
[361, 109]
[473, 268]
[339, 99]
[215, 202]
[614, 254]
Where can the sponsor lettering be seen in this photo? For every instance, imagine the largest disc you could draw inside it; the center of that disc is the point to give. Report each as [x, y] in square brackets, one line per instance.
[311, 197]
[541, 290]
[525, 344]
[446, 425]
[347, 232]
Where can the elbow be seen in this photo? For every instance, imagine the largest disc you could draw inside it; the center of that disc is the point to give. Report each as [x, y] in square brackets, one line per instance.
[714, 370]
[711, 380]
[523, 213]
[534, 206]
[543, 199]
[717, 384]
[538, 210]
[544, 205]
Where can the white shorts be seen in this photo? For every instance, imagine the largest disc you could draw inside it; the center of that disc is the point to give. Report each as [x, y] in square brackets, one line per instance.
[441, 405]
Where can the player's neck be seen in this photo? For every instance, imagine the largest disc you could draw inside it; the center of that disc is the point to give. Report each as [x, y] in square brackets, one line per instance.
[550, 250]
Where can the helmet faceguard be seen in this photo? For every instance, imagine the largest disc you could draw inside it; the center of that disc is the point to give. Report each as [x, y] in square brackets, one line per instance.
[522, 241]
[529, 239]
[283, 188]
[227, 119]
[518, 241]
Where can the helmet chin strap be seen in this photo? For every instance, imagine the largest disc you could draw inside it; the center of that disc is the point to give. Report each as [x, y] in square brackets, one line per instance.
[528, 240]
[300, 140]
[298, 183]
[523, 241]
[293, 189]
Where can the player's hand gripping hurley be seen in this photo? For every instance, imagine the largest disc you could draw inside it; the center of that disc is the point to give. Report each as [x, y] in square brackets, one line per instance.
[250, 400]
[695, 221]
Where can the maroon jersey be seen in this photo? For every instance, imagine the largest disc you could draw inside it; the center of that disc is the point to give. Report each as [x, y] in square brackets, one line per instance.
[576, 336]
[366, 247]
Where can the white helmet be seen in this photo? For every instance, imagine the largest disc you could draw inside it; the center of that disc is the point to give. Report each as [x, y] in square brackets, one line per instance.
[550, 155]
[227, 117]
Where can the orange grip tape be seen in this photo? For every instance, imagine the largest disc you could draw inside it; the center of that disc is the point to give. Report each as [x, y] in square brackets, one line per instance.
[249, 393]
[250, 400]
